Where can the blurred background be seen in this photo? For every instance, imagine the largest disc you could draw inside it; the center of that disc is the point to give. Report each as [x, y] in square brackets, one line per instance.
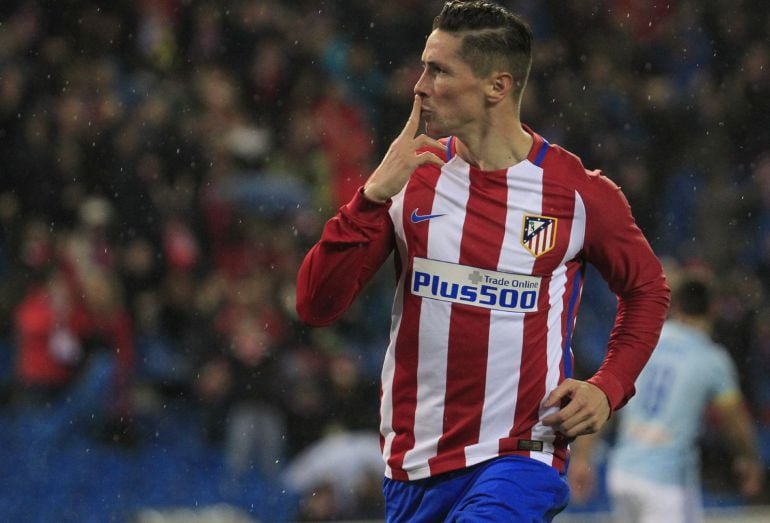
[165, 165]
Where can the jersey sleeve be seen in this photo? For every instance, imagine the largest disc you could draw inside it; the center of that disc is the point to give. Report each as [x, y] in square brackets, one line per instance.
[615, 245]
[353, 246]
[722, 374]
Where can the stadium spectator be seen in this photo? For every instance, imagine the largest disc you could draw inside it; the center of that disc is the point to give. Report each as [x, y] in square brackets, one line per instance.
[336, 477]
[240, 392]
[76, 352]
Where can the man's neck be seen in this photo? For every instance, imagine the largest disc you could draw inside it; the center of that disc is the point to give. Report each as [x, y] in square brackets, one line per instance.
[701, 323]
[495, 146]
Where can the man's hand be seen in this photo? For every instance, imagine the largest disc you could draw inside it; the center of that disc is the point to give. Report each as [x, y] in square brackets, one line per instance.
[750, 475]
[402, 159]
[584, 408]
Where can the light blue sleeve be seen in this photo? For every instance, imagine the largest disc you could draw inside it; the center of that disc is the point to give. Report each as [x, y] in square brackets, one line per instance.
[721, 372]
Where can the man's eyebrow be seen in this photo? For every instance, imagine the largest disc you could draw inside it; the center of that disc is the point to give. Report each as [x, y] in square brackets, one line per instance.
[433, 63]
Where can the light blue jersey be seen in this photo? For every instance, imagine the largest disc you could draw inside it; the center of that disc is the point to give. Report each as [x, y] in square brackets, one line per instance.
[659, 427]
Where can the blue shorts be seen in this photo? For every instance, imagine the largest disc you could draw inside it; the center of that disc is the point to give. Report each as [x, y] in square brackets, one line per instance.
[511, 488]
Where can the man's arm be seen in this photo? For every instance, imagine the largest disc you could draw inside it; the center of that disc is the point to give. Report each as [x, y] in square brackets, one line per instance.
[353, 246]
[582, 474]
[736, 425]
[618, 249]
[356, 242]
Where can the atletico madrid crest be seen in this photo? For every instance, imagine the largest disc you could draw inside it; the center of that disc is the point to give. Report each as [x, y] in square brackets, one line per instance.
[538, 234]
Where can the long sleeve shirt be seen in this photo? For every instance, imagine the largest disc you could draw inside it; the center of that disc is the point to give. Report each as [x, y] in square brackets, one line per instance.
[490, 269]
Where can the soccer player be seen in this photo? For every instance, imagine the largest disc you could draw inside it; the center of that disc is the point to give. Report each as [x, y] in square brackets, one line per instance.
[653, 471]
[492, 228]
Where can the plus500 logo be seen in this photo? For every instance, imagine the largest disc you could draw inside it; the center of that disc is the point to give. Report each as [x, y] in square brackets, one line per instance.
[488, 296]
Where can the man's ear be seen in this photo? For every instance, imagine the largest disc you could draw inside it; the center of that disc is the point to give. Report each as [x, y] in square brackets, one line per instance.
[499, 86]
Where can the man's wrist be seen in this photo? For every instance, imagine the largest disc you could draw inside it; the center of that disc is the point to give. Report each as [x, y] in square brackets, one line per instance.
[367, 191]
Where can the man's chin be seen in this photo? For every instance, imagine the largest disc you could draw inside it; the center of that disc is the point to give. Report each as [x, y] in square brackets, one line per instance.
[434, 131]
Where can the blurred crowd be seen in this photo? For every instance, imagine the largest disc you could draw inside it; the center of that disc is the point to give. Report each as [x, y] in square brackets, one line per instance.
[165, 164]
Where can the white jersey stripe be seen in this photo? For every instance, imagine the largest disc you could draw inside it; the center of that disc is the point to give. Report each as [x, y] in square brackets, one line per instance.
[578, 230]
[554, 344]
[559, 286]
[444, 239]
[389, 363]
[505, 329]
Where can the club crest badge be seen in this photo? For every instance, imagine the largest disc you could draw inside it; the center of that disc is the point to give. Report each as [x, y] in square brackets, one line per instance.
[538, 234]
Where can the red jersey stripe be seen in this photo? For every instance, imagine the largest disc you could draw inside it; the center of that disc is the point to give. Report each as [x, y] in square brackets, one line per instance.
[406, 348]
[482, 239]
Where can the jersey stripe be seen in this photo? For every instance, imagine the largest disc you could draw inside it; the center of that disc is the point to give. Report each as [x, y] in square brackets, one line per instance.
[541, 154]
[482, 237]
[505, 329]
[443, 243]
[577, 237]
[574, 296]
[559, 290]
[404, 348]
[533, 357]
[389, 364]
[570, 294]
[533, 369]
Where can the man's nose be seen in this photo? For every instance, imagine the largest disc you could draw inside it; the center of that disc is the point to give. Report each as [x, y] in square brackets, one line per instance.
[420, 87]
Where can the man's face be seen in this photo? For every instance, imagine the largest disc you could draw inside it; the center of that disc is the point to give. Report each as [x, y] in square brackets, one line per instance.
[452, 97]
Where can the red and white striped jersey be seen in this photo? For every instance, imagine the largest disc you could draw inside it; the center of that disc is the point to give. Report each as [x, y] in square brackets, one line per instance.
[490, 267]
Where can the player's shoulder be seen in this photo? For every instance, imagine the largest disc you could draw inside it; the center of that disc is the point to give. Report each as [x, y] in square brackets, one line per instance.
[570, 170]
[558, 156]
[565, 160]
[695, 342]
[718, 355]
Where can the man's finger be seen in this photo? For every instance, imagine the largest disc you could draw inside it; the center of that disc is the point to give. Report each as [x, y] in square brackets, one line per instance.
[413, 123]
[584, 427]
[562, 416]
[429, 157]
[424, 140]
[558, 394]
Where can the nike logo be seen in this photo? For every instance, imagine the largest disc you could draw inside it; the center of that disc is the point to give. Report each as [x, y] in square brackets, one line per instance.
[417, 218]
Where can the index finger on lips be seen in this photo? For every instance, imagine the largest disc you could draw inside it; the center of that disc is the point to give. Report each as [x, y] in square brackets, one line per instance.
[413, 123]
